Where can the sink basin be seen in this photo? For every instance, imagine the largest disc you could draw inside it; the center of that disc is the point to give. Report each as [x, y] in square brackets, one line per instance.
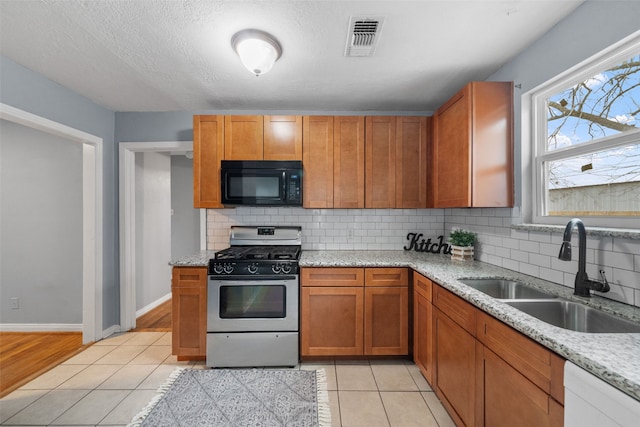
[506, 289]
[575, 316]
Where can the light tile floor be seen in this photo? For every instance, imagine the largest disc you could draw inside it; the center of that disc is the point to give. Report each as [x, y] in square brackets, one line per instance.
[111, 381]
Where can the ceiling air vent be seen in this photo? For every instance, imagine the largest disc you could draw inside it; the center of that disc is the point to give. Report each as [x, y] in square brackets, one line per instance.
[363, 36]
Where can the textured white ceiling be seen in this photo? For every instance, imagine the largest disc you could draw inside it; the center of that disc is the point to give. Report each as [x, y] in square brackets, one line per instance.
[167, 55]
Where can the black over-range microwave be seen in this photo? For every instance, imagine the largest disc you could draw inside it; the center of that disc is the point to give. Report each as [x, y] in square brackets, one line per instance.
[261, 182]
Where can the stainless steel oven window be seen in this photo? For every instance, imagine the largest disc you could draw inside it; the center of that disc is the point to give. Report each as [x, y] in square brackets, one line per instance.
[255, 301]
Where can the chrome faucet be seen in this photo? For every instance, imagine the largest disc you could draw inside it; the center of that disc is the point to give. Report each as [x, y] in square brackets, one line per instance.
[583, 285]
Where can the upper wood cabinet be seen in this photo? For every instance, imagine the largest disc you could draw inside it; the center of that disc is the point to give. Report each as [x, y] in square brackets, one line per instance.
[413, 141]
[348, 162]
[473, 147]
[317, 161]
[208, 150]
[380, 176]
[282, 138]
[243, 137]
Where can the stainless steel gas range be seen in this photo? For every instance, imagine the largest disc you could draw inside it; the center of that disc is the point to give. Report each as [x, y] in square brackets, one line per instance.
[253, 299]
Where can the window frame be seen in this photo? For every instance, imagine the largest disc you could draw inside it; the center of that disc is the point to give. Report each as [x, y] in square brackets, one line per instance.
[534, 136]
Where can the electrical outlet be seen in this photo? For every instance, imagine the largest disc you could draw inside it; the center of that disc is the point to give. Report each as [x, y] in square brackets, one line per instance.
[15, 303]
[349, 233]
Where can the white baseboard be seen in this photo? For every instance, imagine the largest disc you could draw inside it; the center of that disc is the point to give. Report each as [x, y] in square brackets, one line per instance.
[147, 308]
[41, 327]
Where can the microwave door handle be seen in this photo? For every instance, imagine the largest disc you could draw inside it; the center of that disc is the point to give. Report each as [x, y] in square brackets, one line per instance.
[284, 186]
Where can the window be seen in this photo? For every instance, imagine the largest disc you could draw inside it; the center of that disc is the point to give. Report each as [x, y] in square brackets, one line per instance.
[585, 133]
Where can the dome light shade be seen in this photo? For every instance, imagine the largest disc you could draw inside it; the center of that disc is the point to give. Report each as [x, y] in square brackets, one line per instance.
[257, 50]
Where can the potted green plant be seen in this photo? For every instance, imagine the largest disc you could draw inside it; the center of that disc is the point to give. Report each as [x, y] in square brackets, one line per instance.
[462, 244]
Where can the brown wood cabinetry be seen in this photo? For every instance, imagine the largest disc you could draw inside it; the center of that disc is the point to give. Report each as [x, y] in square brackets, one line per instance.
[380, 176]
[208, 150]
[217, 138]
[282, 138]
[455, 348]
[348, 162]
[473, 147]
[354, 311]
[413, 140]
[423, 326]
[488, 374]
[317, 161]
[243, 137]
[189, 312]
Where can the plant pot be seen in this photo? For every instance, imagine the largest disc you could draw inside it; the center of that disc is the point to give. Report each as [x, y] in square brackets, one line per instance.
[462, 253]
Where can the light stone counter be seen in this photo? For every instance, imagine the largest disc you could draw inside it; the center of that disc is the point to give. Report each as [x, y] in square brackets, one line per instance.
[613, 357]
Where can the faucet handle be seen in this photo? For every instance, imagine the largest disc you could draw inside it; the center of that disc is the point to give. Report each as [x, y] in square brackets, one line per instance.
[605, 283]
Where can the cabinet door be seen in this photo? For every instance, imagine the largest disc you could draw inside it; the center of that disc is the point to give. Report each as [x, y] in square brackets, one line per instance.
[189, 312]
[380, 174]
[386, 321]
[317, 155]
[413, 137]
[452, 152]
[243, 137]
[208, 150]
[455, 369]
[348, 162]
[492, 148]
[510, 399]
[423, 326]
[282, 138]
[331, 321]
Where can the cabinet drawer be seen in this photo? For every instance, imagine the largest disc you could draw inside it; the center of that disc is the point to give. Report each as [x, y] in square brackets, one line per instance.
[188, 277]
[386, 277]
[328, 276]
[538, 364]
[460, 311]
[422, 285]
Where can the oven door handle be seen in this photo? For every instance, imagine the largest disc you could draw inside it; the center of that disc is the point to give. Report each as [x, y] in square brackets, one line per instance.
[256, 279]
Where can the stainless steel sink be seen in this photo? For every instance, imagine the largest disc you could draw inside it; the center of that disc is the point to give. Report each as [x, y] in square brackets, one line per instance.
[575, 316]
[506, 289]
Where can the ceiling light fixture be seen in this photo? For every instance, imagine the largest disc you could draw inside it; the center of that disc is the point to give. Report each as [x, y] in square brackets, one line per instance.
[257, 50]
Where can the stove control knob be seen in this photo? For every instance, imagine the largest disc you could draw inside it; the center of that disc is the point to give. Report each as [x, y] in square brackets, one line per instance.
[228, 268]
[217, 268]
[286, 268]
[276, 268]
[253, 268]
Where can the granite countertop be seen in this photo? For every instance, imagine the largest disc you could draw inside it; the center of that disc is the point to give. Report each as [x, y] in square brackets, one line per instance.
[611, 357]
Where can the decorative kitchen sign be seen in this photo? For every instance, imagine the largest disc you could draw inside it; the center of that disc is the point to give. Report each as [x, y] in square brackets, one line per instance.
[418, 244]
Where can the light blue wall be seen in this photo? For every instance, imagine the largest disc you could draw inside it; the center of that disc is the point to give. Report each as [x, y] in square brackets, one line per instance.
[31, 92]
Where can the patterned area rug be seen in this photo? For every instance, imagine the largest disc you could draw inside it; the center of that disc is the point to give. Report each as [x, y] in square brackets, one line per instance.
[239, 397]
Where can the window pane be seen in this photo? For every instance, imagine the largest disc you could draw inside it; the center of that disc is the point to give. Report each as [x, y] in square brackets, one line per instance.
[602, 183]
[603, 105]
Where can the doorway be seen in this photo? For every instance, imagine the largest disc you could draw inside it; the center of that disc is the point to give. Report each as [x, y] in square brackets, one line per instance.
[130, 232]
[92, 177]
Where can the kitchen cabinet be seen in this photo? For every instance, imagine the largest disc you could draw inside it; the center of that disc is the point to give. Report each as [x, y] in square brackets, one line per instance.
[354, 311]
[521, 382]
[348, 162]
[243, 137]
[317, 161]
[208, 151]
[189, 312]
[282, 138]
[380, 176]
[488, 374]
[423, 326]
[413, 141]
[473, 147]
[455, 349]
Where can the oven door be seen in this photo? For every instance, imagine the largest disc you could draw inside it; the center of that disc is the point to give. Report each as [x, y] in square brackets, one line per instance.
[252, 304]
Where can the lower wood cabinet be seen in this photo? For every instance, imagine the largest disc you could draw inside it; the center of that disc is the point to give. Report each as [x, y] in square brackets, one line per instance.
[345, 314]
[489, 374]
[423, 326]
[189, 312]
